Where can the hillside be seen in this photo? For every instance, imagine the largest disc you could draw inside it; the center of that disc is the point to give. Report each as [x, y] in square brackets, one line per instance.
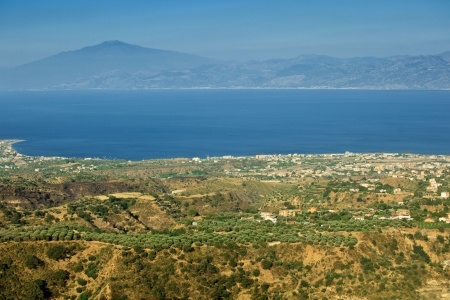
[335, 226]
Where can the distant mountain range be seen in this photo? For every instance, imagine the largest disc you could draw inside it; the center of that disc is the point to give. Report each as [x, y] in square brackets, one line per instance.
[117, 65]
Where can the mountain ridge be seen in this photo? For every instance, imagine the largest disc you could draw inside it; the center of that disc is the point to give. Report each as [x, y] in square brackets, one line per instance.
[118, 65]
[104, 58]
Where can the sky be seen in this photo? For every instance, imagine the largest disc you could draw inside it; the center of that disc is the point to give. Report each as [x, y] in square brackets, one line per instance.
[230, 30]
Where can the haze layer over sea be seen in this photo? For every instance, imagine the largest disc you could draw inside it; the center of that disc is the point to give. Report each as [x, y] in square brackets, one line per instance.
[196, 123]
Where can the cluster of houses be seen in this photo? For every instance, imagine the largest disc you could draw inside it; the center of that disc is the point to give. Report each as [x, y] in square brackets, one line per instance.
[445, 219]
[433, 187]
[401, 166]
[269, 216]
[399, 214]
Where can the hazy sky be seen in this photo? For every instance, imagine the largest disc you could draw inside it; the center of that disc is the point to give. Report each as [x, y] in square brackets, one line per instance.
[226, 29]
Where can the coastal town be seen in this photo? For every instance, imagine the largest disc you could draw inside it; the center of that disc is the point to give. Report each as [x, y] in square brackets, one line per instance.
[326, 183]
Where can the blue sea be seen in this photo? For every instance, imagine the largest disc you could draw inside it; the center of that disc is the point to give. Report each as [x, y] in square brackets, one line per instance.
[151, 124]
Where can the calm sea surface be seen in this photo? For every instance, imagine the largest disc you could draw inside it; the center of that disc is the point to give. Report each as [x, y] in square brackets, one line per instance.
[186, 123]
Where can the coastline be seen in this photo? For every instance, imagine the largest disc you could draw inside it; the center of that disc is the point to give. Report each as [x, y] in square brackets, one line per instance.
[7, 150]
[14, 141]
[9, 144]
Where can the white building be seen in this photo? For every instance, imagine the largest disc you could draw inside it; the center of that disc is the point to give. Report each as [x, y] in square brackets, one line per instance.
[269, 216]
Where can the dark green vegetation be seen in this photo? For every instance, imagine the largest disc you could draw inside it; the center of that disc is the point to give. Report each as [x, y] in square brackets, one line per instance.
[310, 227]
[379, 266]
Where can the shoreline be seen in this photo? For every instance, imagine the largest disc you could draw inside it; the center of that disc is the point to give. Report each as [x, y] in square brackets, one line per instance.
[11, 142]
[6, 147]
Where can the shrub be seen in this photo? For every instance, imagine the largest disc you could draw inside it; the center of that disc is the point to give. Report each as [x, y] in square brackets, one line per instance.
[32, 262]
[81, 281]
[187, 247]
[304, 284]
[138, 249]
[78, 267]
[39, 213]
[85, 296]
[92, 258]
[60, 277]
[418, 235]
[91, 270]
[232, 263]
[36, 290]
[152, 255]
[57, 252]
[417, 249]
[266, 264]
[367, 264]
[193, 213]
[329, 277]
